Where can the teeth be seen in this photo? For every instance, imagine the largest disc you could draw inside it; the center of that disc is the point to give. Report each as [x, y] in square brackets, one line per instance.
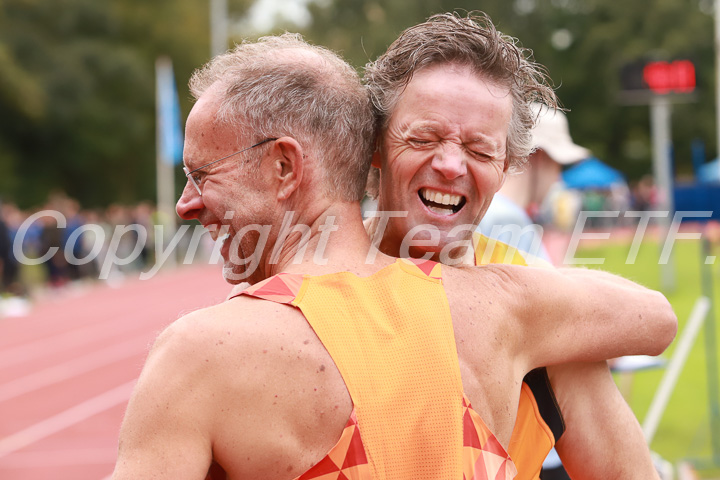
[443, 199]
[440, 210]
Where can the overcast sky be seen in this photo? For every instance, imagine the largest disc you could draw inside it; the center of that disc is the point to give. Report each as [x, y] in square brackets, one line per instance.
[262, 14]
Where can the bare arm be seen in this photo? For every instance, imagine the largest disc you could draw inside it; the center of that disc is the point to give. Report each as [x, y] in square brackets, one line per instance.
[576, 314]
[602, 438]
[165, 431]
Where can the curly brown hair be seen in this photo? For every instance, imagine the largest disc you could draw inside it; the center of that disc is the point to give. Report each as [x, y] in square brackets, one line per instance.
[474, 42]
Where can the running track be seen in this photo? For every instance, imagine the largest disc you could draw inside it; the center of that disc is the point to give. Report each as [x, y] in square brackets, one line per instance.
[68, 368]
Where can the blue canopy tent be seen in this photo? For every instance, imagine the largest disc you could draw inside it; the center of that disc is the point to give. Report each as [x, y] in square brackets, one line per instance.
[709, 172]
[590, 174]
[702, 195]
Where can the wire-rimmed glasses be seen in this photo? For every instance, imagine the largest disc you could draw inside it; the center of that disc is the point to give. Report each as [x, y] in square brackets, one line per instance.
[196, 182]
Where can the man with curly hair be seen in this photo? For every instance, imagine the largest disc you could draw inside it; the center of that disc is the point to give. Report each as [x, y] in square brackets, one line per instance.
[455, 103]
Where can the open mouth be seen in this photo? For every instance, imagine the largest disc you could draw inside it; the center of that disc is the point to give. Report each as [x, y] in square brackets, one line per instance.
[441, 203]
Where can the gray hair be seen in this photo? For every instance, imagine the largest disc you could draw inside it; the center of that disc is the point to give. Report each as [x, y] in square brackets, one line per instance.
[471, 41]
[283, 86]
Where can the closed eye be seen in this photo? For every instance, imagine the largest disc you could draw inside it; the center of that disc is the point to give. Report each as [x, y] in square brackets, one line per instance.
[419, 142]
[480, 155]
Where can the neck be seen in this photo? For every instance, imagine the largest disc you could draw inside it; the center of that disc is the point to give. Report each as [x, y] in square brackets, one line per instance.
[389, 243]
[518, 188]
[334, 240]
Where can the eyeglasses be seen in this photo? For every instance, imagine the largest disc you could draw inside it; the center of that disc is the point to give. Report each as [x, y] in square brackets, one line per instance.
[196, 181]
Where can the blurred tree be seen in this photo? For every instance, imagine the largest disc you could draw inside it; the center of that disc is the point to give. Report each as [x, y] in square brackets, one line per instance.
[583, 43]
[77, 93]
[77, 77]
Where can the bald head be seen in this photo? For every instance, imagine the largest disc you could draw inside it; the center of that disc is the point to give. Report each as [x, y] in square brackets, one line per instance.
[282, 86]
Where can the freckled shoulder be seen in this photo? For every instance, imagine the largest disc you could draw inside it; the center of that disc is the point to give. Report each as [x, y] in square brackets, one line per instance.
[245, 322]
[477, 285]
[270, 366]
[269, 342]
[259, 379]
[481, 301]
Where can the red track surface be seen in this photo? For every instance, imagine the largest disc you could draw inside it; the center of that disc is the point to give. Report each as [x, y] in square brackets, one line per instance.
[67, 370]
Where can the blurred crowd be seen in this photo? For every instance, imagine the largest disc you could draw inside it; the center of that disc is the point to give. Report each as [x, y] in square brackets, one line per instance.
[61, 230]
[562, 206]
[60, 243]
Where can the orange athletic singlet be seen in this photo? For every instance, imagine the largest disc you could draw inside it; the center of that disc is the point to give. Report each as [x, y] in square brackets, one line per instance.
[539, 423]
[391, 337]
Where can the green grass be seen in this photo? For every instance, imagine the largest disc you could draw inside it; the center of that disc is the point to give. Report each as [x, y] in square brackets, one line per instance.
[684, 430]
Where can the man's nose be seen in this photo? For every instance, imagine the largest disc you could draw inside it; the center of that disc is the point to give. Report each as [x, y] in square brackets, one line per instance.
[450, 161]
[190, 203]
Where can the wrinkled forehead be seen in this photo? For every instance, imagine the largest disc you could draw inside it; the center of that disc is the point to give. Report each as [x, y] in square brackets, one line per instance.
[207, 138]
[442, 76]
[204, 112]
[202, 125]
[455, 97]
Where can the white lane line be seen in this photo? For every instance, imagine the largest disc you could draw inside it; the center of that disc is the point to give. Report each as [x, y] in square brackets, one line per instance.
[74, 367]
[63, 420]
[60, 458]
[65, 341]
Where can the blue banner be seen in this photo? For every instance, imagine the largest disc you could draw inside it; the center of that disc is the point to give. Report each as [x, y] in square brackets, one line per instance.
[169, 130]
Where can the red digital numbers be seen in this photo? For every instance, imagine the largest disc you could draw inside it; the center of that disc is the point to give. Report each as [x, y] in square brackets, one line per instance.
[666, 77]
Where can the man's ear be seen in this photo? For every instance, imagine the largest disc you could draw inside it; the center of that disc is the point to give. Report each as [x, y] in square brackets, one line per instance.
[288, 163]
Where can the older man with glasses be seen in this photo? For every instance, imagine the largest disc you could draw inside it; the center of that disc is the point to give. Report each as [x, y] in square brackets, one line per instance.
[454, 102]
